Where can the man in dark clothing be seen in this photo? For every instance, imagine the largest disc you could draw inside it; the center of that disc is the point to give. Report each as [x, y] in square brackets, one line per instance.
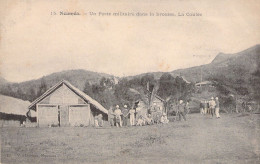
[125, 115]
[186, 108]
[111, 116]
[207, 105]
[181, 110]
[201, 107]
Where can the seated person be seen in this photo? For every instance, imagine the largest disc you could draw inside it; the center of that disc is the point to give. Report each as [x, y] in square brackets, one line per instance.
[149, 119]
[100, 120]
[96, 121]
[164, 119]
[157, 118]
[140, 121]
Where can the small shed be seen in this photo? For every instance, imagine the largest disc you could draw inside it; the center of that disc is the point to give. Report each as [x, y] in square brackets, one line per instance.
[12, 111]
[65, 105]
[157, 101]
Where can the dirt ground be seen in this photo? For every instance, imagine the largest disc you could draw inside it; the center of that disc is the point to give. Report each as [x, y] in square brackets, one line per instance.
[231, 139]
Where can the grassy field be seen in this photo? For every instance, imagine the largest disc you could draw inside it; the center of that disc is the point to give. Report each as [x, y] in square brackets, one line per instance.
[231, 139]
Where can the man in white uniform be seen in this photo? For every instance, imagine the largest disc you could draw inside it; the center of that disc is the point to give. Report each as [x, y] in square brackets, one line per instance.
[217, 108]
[212, 105]
[118, 114]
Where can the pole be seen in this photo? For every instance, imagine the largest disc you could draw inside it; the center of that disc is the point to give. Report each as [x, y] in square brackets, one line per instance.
[236, 104]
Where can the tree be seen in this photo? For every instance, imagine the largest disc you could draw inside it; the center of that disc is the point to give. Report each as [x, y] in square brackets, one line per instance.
[20, 94]
[106, 82]
[148, 78]
[32, 95]
[254, 85]
[8, 90]
[174, 88]
[88, 89]
[167, 86]
[43, 87]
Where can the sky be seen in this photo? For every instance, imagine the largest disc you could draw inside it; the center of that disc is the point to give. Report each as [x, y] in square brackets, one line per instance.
[35, 43]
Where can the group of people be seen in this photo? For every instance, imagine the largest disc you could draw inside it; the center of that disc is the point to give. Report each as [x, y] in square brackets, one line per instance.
[137, 116]
[210, 107]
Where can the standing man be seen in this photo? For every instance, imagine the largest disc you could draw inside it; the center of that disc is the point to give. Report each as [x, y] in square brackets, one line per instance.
[181, 110]
[187, 109]
[153, 112]
[201, 107]
[212, 105]
[132, 117]
[125, 115]
[111, 116]
[205, 107]
[118, 114]
[138, 112]
[217, 108]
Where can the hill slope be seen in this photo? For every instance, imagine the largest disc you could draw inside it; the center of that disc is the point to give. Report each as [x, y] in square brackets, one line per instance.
[75, 77]
[233, 66]
[239, 71]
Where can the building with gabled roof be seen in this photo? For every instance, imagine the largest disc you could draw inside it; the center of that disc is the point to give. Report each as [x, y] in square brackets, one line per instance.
[65, 105]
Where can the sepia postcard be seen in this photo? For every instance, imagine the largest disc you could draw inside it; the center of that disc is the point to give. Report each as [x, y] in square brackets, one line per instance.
[151, 81]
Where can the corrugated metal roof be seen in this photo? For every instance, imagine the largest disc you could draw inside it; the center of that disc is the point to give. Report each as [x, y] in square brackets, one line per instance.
[75, 90]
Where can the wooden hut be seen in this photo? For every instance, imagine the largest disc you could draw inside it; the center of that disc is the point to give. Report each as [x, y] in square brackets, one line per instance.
[65, 105]
[158, 102]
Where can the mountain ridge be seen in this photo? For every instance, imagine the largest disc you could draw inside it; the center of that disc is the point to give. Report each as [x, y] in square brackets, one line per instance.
[237, 66]
[229, 65]
[220, 60]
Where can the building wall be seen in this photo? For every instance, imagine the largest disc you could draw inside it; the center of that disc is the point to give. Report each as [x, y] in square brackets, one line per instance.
[51, 115]
[64, 108]
[79, 115]
[63, 115]
[63, 96]
[47, 115]
[158, 103]
[10, 123]
[12, 120]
